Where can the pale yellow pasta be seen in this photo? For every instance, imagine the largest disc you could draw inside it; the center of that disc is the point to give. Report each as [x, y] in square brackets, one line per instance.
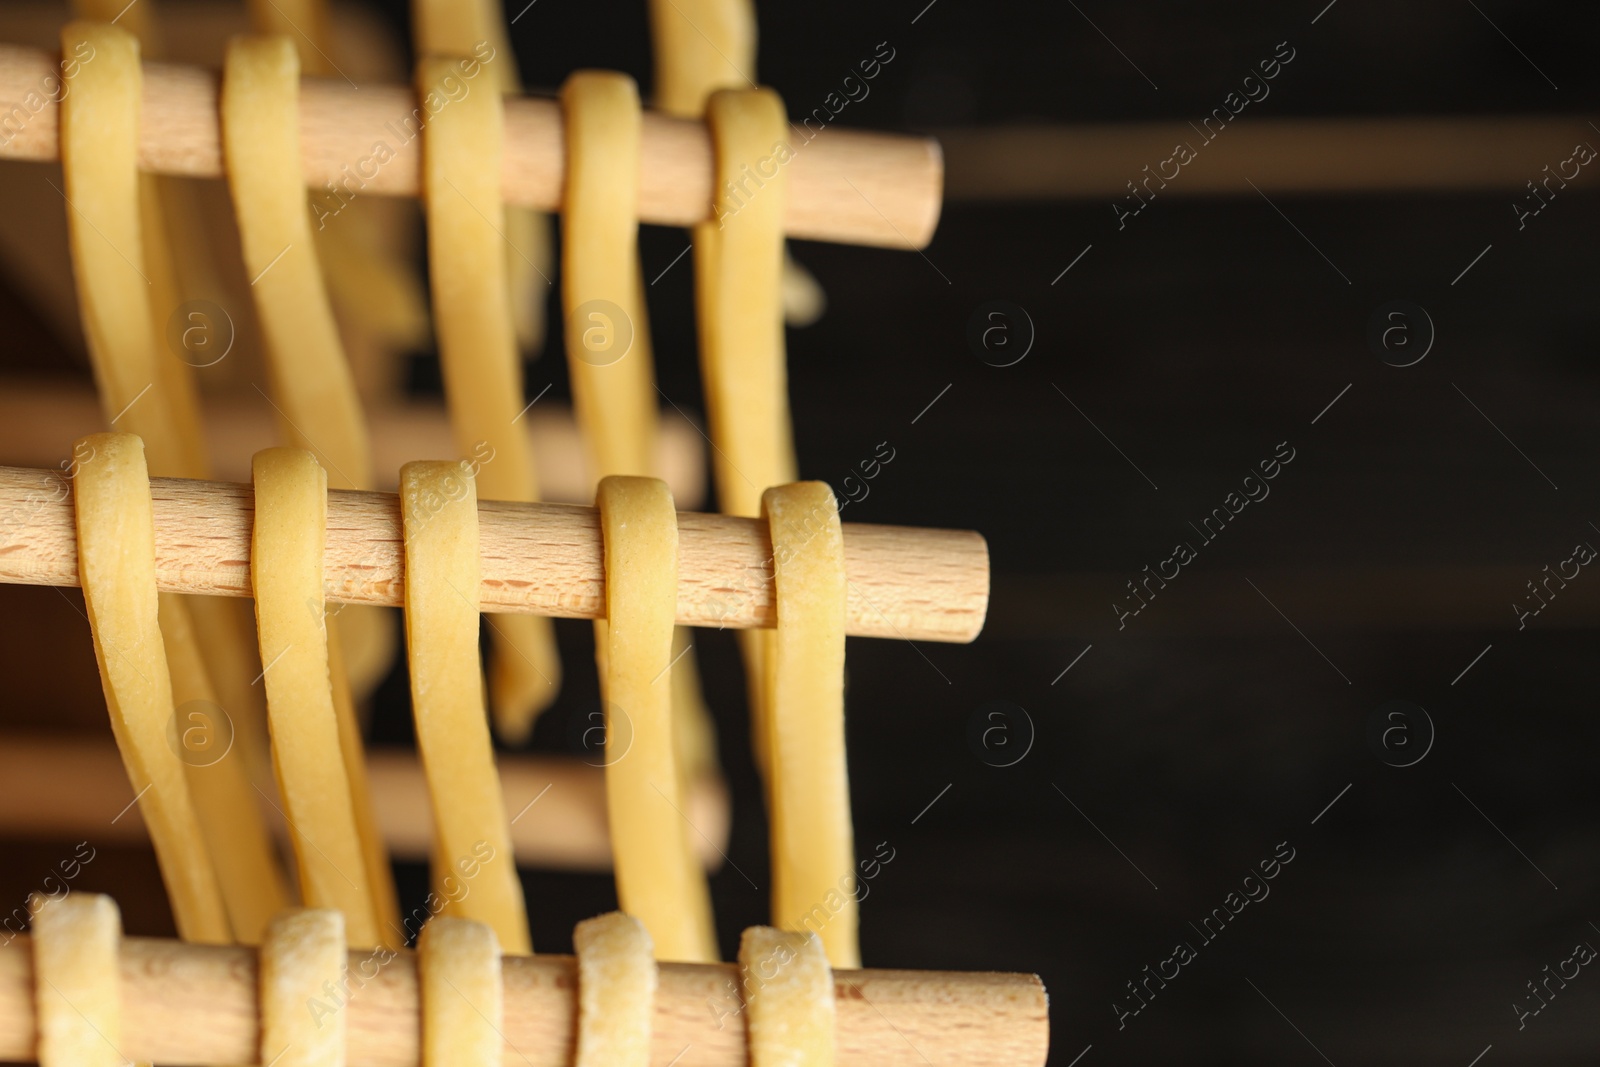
[461, 992]
[311, 382]
[616, 991]
[439, 508]
[702, 46]
[461, 28]
[813, 848]
[163, 242]
[146, 390]
[788, 999]
[478, 355]
[738, 271]
[117, 570]
[659, 879]
[302, 958]
[291, 518]
[77, 983]
[253, 884]
[613, 387]
[609, 357]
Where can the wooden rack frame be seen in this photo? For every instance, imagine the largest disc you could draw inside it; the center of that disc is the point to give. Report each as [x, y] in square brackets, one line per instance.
[545, 559]
[198, 1004]
[844, 186]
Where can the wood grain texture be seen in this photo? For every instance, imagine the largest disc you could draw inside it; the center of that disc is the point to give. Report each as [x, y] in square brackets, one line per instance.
[546, 559]
[848, 186]
[197, 1004]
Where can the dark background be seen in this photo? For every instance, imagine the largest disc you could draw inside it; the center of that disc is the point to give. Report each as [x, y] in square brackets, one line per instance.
[1179, 751]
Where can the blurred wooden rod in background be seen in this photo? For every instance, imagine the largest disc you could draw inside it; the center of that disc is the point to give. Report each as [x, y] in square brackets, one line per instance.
[1333, 155]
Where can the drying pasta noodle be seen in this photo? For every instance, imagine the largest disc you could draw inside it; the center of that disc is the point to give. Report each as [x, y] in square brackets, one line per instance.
[316, 395]
[616, 991]
[738, 264]
[313, 386]
[608, 342]
[117, 569]
[311, 381]
[439, 509]
[369, 273]
[291, 519]
[461, 992]
[77, 984]
[608, 336]
[813, 848]
[99, 134]
[788, 997]
[478, 354]
[702, 46]
[302, 957]
[460, 28]
[659, 879]
[160, 251]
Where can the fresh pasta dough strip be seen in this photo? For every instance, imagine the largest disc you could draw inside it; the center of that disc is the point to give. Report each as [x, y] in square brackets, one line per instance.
[616, 991]
[301, 959]
[313, 388]
[659, 879]
[788, 999]
[253, 884]
[117, 569]
[462, 28]
[738, 270]
[608, 335]
[478, 354]
[162, 242]
[602, 292]
[291, 518]
[439, 509]
[77, 984]
[813, 848]
[702, 46]
[99, 132]
[461, 992]
[311, 380]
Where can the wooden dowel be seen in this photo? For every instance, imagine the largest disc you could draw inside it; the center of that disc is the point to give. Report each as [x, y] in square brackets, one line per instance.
[545, 559]
[1333, 155]
[197, 1004]
[40, 420]
[56, 788]
[846, 186]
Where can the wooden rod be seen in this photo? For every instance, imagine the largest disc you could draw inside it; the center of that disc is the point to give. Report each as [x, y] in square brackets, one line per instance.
[544, 559]
[1332, 155]
[844, 185]
[39, 421]
[198, 1004]
[56, 788]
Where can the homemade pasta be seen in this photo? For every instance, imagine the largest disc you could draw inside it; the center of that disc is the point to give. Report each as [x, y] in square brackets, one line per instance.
[77, 983]
[302, 958]
[813, 848]
[117, 569]
[143, 389]
[286, 577]
[461, 992]
[439, 506]
[616, 991]
[478, 354]
[659, 879]
[788, 999]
